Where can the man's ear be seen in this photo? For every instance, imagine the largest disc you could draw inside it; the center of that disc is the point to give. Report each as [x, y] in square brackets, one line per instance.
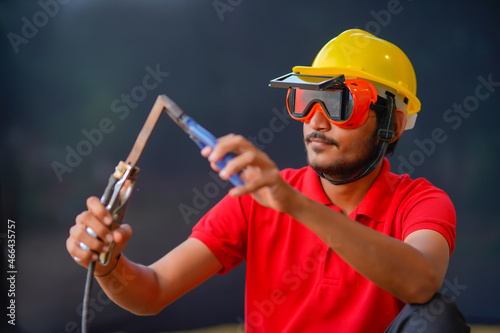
[399, 123]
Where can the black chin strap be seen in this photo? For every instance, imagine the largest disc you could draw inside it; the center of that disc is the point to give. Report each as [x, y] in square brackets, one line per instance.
[385, 135]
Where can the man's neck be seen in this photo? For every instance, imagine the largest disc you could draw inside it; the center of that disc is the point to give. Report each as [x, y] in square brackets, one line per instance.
[348, 196]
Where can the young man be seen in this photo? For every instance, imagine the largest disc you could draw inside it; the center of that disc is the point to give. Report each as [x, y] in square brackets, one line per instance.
[340, 245]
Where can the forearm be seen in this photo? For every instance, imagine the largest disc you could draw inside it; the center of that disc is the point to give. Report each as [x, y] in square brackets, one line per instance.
[147, 290]
[132, 286]
[391, 264]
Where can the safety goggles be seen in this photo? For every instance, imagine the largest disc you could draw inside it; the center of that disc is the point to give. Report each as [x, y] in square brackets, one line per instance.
[345, 102]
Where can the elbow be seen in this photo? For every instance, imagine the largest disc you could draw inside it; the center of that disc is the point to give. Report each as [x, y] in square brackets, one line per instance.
[146, 311]
[145, 308]
[420, 297]
[423, 289]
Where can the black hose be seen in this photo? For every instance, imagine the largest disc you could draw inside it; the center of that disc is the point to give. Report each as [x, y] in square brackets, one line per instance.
[86, 296]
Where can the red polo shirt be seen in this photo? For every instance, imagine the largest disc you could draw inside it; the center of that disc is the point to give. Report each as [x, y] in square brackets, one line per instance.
[294, 281]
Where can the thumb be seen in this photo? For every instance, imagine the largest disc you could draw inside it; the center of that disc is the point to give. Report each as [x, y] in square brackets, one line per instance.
[121, 235]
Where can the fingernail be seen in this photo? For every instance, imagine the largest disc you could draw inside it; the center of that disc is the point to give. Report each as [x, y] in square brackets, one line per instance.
[205, 150]
[91, 232]
[109, 238]
[77, 259]
[105, 248]
[108, 220]
[223, 174]
[83, 246]
[94, 257]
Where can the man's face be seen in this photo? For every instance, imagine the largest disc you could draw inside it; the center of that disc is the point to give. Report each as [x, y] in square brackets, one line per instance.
[336, 152]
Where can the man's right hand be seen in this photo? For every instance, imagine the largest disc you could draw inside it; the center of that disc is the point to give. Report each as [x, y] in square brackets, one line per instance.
[84, 247]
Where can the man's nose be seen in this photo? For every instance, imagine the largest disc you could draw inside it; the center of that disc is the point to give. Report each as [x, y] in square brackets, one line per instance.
[318, 119]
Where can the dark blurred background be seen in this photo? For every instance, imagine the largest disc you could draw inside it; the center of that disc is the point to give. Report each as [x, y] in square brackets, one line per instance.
[78, 79]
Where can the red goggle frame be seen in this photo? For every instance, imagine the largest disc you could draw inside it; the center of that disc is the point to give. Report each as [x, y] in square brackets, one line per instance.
[346, 105]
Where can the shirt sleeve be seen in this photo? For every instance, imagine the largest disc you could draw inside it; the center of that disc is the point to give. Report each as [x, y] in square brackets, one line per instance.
[431, 209]
[224, 231]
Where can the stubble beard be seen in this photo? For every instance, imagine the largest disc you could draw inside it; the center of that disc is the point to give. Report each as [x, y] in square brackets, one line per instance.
[343, 169]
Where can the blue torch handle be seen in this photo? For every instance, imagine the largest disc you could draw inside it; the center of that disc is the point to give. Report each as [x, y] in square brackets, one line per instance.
[203, 138]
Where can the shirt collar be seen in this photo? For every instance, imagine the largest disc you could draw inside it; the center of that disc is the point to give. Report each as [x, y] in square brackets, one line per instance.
[379, 195]
[373, 204]
[313, 189]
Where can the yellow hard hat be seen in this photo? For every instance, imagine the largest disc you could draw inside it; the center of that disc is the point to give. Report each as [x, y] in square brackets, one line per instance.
[359, 54]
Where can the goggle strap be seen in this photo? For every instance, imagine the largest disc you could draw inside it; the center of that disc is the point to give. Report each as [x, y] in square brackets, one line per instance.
[380, 105]
[386, 135]
[386, 127]
[386, 132]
